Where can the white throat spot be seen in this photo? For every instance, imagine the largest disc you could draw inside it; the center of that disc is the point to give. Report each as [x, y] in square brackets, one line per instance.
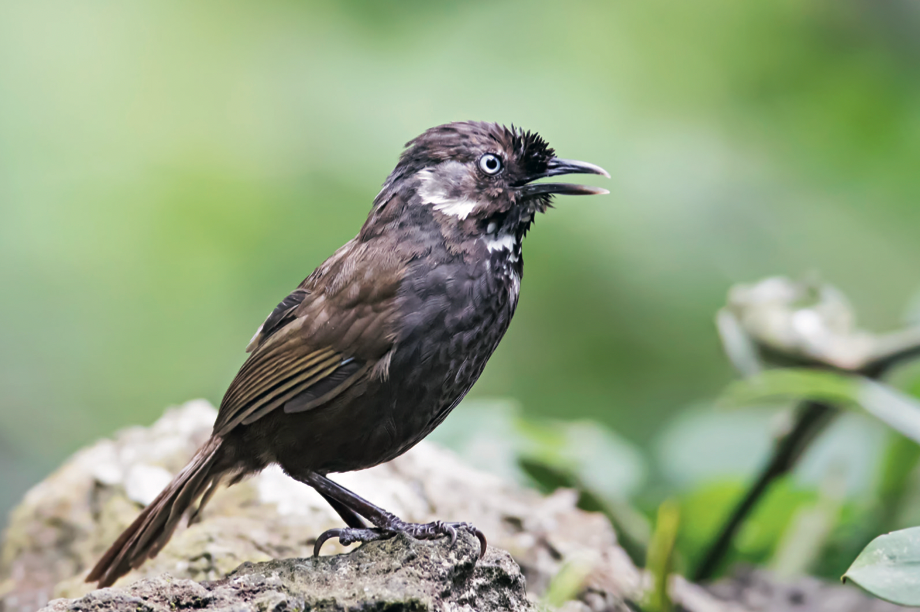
[433, 194]
[500, 242]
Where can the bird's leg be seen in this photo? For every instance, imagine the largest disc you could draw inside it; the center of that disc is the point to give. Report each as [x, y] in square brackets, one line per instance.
[351, 518]
[386, 524]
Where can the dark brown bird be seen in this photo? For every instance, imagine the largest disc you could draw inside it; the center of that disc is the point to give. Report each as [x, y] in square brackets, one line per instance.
[373, 350]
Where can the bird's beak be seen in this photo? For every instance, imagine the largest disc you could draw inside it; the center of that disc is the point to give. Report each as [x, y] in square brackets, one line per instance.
[558, 167]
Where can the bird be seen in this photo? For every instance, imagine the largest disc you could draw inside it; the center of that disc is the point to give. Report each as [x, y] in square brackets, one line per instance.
[375, 348]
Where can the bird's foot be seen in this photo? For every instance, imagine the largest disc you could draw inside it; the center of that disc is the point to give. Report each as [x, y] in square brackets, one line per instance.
[419, 531]
[350, 535]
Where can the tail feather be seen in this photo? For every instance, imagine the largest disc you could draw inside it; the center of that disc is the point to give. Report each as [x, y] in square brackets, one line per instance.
[151, 530]
[195, 516]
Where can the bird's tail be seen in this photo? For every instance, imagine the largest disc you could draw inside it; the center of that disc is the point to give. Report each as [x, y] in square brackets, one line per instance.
[152, 529]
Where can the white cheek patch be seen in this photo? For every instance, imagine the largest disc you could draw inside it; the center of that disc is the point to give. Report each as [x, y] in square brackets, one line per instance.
[456, 208]
[433, 194]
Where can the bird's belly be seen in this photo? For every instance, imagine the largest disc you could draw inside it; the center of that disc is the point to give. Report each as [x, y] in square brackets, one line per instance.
[447, 337]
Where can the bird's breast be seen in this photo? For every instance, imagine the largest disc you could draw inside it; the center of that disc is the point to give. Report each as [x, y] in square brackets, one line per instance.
[452, 315]
[462, 296]
[503, 261]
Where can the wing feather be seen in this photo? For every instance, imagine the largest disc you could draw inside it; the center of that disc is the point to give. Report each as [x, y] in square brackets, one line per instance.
[322, 339]
[276, 369]
[281, 315]
[328, 389]
[292, 388]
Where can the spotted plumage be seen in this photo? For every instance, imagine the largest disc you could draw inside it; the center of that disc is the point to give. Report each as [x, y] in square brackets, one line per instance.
[376, 347]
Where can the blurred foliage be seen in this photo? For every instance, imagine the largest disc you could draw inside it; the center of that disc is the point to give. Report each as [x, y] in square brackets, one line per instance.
[898, 410]
[706, 506]
[660, 563]
[169, 171]
[568, 582]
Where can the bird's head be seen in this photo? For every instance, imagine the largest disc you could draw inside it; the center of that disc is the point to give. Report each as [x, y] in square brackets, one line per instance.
[480, 177]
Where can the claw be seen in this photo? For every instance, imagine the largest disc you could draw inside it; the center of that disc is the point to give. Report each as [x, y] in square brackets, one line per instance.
[350, 535]
[451, 529]
[428, 531]
[482, 541]
[323, 537]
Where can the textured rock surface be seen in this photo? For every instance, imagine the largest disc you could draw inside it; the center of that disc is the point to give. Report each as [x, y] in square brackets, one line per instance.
[67, 521]
[400, 574]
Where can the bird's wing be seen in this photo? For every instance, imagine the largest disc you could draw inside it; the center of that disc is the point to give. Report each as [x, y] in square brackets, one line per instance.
[278, 318]
[321, 339]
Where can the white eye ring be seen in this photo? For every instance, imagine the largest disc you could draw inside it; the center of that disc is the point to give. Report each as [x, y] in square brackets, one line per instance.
[490, 164]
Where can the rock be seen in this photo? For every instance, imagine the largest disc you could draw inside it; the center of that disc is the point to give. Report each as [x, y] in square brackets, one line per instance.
[399, 574]
[66, 522]
[761, 591]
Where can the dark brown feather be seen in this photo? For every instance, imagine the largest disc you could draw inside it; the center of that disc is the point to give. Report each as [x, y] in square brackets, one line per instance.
[278, 318]
[338, 318]
[153, 527]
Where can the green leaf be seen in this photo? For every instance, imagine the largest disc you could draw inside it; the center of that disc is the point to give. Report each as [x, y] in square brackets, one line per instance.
[810, 529]
[705, 508]
[660, 562]
[889, 567]
[569, 581]
[701, 445]
[896, 409]
[902, 455]
[786, 383]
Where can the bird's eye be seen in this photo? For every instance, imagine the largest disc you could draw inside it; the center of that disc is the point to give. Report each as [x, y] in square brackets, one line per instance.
[490, 164]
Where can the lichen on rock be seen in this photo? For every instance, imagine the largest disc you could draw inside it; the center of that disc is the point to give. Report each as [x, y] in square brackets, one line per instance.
[398, 574]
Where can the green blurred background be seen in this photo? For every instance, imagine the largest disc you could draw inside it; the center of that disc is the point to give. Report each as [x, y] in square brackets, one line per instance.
[170, 170]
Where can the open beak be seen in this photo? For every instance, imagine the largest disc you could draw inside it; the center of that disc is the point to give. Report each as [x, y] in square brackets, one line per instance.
[558, 167]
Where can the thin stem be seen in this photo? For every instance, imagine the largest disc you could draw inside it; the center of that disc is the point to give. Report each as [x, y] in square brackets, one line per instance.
[812, 418]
